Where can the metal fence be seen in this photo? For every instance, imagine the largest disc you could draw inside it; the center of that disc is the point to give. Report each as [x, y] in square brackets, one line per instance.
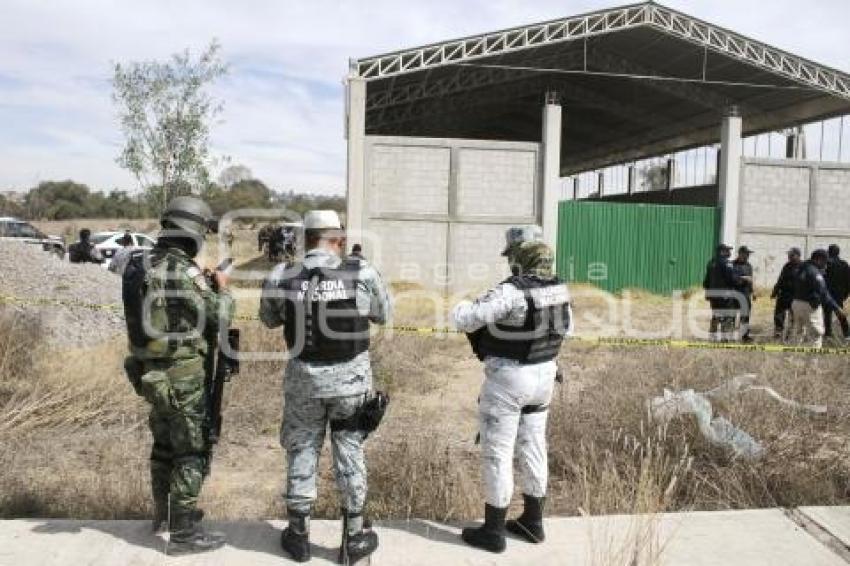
[827, 140]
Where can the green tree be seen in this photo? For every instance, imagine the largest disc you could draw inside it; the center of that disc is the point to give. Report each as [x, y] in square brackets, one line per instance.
[251, 193]
[8, 207]
[58, 200]
[165, 111]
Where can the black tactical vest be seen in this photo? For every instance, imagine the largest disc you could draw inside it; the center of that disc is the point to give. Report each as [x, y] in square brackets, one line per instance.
[133, 291]
[539, 338]
[322, 323]
[806, 286]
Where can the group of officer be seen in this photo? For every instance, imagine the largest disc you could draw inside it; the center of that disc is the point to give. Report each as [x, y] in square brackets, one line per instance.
[807, 294]
[324, 305]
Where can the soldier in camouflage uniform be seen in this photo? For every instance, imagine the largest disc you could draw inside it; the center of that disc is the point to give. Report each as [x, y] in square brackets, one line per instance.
[516, 329]
[325, 304]
[171, 308]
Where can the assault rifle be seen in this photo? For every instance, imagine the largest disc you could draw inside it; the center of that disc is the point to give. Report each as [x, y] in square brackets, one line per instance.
[219, 366]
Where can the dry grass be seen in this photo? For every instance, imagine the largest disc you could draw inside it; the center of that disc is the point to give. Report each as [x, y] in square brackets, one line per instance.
[73, 440]
[70, 228]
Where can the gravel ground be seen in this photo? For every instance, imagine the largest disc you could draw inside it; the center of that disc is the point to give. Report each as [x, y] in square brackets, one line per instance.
[27, 273]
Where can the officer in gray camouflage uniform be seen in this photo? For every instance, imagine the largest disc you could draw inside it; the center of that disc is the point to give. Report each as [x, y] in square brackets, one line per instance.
[325, 304]
[516, 329]
[171, 309]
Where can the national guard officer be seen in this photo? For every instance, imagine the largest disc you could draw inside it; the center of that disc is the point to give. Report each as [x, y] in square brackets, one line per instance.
[516, 329]
[325, 304]
[171, 307]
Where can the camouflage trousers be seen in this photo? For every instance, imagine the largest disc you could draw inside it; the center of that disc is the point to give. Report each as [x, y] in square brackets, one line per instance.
[179, 460]
[305, 422]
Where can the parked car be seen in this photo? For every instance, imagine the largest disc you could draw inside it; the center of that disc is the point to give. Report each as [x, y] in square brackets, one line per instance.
[20, 230]
[107, 243]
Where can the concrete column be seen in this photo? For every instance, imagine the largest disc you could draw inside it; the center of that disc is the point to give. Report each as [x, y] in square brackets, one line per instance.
[355, 133]
[575, 188]
[729, 176]
[551, 168]
[671, 174]
[632, 180]
[600, 184]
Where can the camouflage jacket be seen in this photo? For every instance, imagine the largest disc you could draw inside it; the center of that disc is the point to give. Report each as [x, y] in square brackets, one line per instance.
[328, 380]
[183, 306]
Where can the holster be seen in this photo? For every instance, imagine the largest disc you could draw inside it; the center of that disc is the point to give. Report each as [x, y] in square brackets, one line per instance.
[367, 417]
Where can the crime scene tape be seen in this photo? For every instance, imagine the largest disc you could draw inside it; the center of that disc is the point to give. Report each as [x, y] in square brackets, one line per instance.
[662, 342]
[611, 341]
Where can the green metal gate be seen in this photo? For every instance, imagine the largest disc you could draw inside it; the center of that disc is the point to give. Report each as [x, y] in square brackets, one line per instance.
[618, 246]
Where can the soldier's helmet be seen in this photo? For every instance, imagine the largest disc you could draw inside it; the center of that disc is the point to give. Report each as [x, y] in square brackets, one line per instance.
[517, 235]
[189, 214]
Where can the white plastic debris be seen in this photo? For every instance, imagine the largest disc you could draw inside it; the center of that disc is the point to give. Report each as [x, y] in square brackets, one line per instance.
[719, 430]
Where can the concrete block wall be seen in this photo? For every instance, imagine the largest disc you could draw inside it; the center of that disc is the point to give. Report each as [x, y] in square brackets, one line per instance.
[437, 209]
[791, 203]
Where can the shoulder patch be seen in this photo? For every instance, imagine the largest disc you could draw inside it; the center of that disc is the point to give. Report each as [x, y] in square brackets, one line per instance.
[193, 271]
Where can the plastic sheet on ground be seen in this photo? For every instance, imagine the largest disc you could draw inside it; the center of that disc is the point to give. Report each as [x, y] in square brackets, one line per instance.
[719, 430]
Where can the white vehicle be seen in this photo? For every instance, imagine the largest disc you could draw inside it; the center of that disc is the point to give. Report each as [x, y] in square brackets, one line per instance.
[107, 243]
[22, 231]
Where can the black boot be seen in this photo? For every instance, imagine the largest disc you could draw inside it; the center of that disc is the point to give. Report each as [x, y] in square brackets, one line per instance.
[159, 523]
[491, 535]
[529, 525]
[358, 539]
[187, 536]
[295, 538]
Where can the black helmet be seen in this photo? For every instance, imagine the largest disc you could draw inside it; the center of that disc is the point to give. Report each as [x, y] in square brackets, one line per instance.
[189, 214]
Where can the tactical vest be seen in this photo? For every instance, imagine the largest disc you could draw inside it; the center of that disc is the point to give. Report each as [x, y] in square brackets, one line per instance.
[322, 323]
[539, 339]
[155, 272]
[806, 286]
[718, 279]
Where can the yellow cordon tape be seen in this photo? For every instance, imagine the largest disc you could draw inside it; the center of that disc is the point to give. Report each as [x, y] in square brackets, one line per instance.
[661, 342]
[597, 340]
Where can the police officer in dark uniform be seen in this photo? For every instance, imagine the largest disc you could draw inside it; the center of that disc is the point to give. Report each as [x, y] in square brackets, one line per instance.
[811, 298]
[744, 270]
[721, 284]
[838, 282]
[783, 292]
[84, 251]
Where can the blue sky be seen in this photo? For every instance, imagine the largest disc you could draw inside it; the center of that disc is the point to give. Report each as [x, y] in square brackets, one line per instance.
[284, 103]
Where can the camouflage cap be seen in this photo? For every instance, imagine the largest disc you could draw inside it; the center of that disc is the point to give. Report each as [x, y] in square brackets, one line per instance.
[516, 235]
[532, 258]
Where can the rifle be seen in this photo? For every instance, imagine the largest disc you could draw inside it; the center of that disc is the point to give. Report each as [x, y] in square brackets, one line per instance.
[218, 369]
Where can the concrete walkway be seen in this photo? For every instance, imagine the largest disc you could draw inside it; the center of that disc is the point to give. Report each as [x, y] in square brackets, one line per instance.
[768, 537]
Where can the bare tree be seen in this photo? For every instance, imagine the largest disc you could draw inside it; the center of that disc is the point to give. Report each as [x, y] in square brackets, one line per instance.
[234, 174]
[165, 110]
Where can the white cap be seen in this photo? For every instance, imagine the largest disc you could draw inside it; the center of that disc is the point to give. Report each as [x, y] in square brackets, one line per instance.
[322, 220]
